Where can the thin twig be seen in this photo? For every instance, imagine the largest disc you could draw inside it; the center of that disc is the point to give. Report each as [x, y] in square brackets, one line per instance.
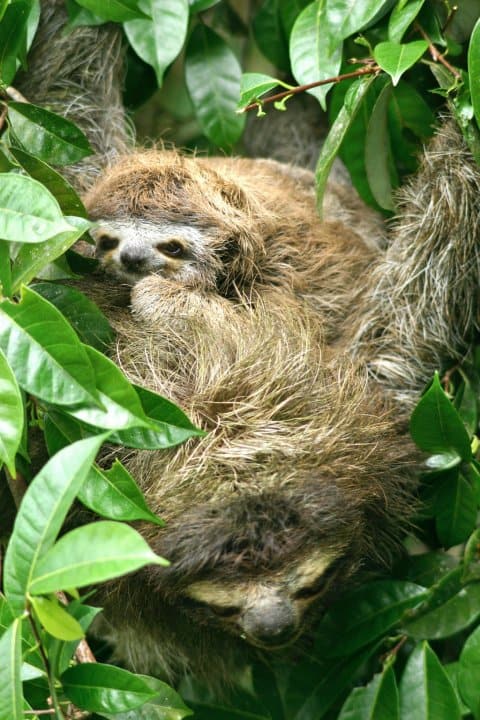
[370, 70]
[435, 53]
[17, 486]
[83, 653]
[15, 94]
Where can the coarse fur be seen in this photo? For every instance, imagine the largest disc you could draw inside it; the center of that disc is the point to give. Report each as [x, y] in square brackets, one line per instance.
[299, 346]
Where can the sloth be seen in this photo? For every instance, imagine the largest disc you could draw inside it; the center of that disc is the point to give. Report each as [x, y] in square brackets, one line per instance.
[299, 345]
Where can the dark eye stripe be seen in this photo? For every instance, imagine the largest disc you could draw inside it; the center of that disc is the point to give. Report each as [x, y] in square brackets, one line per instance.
[106, 242]
[171, 248]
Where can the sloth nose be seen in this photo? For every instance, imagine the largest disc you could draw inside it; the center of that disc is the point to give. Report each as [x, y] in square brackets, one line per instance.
[132, 259]
[270, 624]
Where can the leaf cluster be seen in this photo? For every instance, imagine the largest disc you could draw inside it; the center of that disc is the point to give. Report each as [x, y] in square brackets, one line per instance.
[405, 646]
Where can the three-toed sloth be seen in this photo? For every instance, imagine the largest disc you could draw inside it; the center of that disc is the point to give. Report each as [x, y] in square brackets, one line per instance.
[300, 346]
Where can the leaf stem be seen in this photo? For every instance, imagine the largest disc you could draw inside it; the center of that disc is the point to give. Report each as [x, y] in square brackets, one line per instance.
[5, 269]
[435, 53]
[51, 680]
[369, 70]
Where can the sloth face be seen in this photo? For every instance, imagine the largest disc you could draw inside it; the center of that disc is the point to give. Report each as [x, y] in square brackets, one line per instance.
[131, 249]
[269, 612]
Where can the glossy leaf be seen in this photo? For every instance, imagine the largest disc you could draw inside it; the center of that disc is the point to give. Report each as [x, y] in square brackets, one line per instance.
[13, 39]
[32, 258]
[311, 56]
[455, 510]
[377, 701]
[91, 554]
[104, 688]
[401, 18]
[289, 12]
[61, 653]
[213, 74]
[115, 10]
[454, 615]
[56, 620]
[469, 672]
[270, 35]
[254, 85]
[159, 40]
[67, 198]
[397, 58]
[377, 151]
[474, 69]
[113, 494]
[170, 425]
[44, 352]
[365, 614]
[11, 703]
[436, 426]
[331, 685]
[336, 135]
[28, 212]
[41, 514]
[197, 6]
[52, 138]
[11, 415]
[426, 692]
[345, 17]
[165, 705]
[85, 317]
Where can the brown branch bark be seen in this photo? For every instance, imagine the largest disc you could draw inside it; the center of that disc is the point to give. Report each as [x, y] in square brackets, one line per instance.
[369, 70]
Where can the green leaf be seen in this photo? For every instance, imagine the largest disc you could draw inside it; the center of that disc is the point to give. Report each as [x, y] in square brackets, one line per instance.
[56, 620]
[104, 688]
[454, 615]
[436, 426]
[212, 74]
[402, 16]
[159, 40]
[32, 259]
[346, 17]
[121, 406]
[170, 425]
[455, 510]
[11, 698]
[52, 138]
[426, 692]
[336, 135]
[61, 652]
[269, 34]
[13, 38]
[41, 514]
[377, 701]
[396, 58]
[474, 69]
[114, 494]
[115, 10]
[90, 554]
[165, 705]
[197, 6]
[378, 153]
[310, 50]
[85, 317]
[44, 352]
[67, 198]
[289, 11]
[28, 211]
[337, 677]
[11, 415]
[254, 85]
[366, 614]
[469, 672]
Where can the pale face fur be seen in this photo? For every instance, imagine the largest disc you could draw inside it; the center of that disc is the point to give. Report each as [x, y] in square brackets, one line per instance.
[132, 248]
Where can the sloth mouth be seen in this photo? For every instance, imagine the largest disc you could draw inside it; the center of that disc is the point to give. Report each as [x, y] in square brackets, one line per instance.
[273, 643]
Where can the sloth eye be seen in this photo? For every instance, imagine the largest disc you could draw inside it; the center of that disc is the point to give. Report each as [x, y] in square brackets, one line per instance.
[310, 590]
[106, 242]
[228, 611]
[172, 248]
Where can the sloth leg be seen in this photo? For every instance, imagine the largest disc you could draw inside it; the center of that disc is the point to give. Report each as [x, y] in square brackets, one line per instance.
[421, 306]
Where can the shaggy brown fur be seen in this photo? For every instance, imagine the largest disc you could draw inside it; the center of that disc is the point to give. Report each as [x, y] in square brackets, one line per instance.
[298, 348]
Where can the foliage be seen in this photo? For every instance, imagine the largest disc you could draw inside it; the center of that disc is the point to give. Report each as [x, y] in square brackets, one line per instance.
[405, 646]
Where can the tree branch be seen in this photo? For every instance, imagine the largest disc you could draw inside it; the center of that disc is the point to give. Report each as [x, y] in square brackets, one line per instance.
[369, 70]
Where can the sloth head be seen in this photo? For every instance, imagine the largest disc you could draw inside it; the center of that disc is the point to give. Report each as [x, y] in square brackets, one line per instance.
[162, 213]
